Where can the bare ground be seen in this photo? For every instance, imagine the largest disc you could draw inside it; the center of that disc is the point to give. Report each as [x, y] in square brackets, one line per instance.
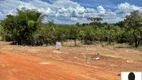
[69, 63]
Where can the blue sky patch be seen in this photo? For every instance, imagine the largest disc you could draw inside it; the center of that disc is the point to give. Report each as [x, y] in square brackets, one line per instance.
[74, 11]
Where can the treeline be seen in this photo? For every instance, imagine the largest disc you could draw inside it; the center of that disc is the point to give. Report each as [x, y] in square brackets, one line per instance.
[26, 28]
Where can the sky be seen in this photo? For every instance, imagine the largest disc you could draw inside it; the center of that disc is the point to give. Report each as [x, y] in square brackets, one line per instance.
[74, 11]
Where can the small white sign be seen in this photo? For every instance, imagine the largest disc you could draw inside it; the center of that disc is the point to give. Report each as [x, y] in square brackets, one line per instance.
[131, 76]
[58, 45]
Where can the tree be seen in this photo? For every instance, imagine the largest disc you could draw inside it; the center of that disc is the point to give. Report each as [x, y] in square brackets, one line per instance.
[95, 19]
[22, 26]
[120, 24]
[46, 34]
[74, 30]
[62, 33]
[133, 23]
[89, 35]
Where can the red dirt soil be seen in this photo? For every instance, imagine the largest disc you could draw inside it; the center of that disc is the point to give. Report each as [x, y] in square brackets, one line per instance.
[45, 63]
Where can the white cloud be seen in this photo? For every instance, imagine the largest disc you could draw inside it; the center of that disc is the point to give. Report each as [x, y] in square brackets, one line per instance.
[65, 3]
[101, 10]
[126, 8]
[67, 11]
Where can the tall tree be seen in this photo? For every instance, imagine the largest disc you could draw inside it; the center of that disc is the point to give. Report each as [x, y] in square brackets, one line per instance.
[22, 26]
[95, 19]
[133, 23]
[74, 30]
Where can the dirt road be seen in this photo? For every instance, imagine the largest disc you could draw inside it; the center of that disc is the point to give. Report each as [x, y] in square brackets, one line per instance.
[16, 67]
[45, 63]
[20, 67]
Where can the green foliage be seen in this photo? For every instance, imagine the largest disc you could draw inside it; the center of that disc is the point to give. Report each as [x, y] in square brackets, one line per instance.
[133, 23]
[121, 36]
[45, 35]
[86, 33]
[27, 28]
[95, 19]
[73, 33]
[21, 28]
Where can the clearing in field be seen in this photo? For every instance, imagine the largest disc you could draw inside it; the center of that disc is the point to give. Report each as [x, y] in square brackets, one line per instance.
[69, 63]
